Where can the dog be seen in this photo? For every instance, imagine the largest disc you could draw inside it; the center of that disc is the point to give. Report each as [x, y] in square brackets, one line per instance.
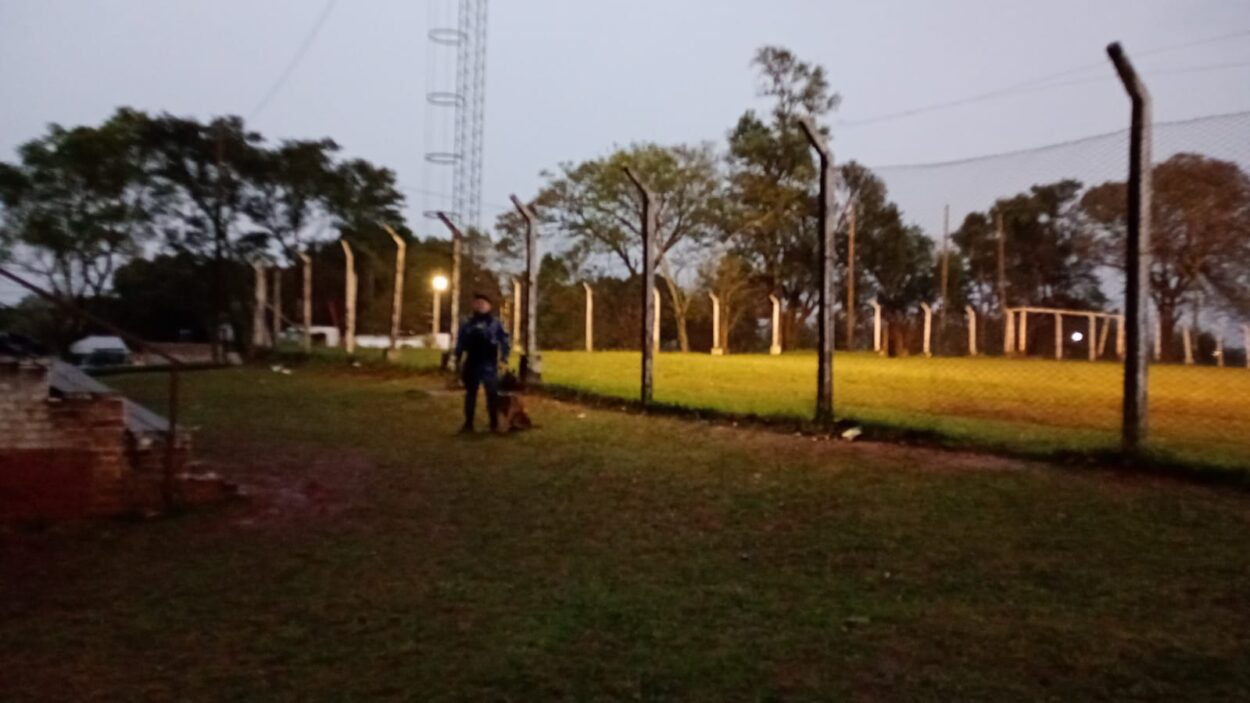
[510, 406]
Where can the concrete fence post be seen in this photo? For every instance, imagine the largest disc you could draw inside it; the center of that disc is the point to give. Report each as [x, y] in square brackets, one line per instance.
[1023, 345]
[349, 298]
[827, 252]
[650, 308]
[876, 326]
[276, 307]
[717, 349]
[590, 317]
[457, 247]
[306, 301]
[517, 304]
[1009, 332]
[1058, 337]
[259, 328]
[851, 225]
[655, 328]
[1245, 342]
[972, 329]
[775, 347]
[533, 360]
[436, 310]
[928, 329]
[397, 298]
[1137, 253]
[1092, 342]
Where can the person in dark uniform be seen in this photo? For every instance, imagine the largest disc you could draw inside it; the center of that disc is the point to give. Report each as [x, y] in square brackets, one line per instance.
[481, 346]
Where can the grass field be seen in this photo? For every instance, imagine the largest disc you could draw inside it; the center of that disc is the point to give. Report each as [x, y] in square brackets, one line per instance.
[1198, 414]
[615, 556]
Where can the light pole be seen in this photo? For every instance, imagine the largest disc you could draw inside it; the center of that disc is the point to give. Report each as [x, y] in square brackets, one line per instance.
[439, 283]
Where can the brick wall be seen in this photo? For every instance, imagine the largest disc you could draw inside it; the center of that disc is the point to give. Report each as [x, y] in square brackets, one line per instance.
[60, 457]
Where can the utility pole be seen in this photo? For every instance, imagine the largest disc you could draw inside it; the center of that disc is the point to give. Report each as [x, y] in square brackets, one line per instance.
[850, 278]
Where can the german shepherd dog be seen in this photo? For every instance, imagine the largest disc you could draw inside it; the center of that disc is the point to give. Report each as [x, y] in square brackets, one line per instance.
[510, 406]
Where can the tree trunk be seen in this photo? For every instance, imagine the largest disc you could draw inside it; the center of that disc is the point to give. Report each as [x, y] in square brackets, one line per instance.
[681, 310]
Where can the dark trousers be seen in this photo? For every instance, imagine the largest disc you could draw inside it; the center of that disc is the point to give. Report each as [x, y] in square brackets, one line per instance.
[490, 384]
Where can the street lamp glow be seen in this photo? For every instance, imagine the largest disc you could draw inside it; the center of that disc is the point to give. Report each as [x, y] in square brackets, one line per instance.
[1077, 336]
[440, 283]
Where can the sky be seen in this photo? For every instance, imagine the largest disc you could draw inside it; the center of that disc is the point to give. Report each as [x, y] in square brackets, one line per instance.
[569, 79]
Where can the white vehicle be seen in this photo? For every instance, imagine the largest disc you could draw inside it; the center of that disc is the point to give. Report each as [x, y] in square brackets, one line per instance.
[100, 350]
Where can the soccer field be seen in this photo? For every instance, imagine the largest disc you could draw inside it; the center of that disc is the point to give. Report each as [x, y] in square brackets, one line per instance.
[1197, 414]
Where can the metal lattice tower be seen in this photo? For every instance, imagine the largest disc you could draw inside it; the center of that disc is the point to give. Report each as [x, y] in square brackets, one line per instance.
[468, 100]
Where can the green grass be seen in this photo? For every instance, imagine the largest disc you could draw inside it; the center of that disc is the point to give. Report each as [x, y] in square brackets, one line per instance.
[616, 556]
[1198, 415]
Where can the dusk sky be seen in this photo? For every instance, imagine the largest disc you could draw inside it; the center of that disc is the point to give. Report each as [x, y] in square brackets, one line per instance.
[569, 79]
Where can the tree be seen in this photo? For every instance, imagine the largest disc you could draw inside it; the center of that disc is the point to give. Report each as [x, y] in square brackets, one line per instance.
[1199, 235]
[205, 170]
[598, 208]
[291, 187]
[772, 182]
[77, 206]
[1050, 256]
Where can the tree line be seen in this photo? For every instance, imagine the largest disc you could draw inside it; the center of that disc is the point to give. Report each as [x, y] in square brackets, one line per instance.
[155, 220]
[739, 221]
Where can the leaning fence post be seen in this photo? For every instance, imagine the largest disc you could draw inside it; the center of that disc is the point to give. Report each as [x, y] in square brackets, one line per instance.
[650, 327]
[533, 362]
[972, 330]
[828, 203]
[349, 298]
[258, 306]
[590, 317]
[928, 328]
[457, 240]
[306, 302]
[1137, 264]
[717, 350]
[397, 298]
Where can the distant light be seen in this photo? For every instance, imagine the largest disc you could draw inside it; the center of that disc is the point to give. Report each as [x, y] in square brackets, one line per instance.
[1077, 336]
[440, 283]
